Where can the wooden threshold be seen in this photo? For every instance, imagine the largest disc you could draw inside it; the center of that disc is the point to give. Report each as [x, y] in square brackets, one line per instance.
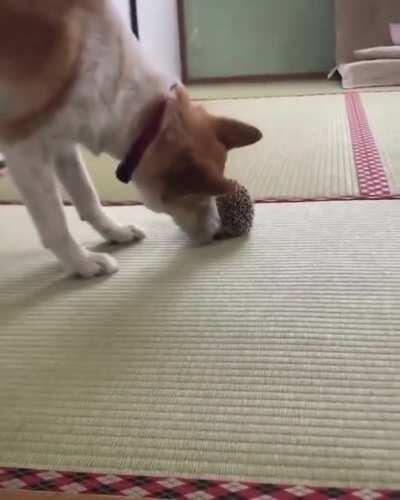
[256, 78]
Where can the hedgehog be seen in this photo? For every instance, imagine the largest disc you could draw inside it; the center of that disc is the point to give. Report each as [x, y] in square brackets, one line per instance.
[236, 211]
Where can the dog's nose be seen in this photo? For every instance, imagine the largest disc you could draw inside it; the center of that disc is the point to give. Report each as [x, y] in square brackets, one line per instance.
[208, 232]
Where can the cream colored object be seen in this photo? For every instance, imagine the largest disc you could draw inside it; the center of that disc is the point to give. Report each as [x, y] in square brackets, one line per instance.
[390, 52]
[370, 73]
[306, 151]
[275, 359]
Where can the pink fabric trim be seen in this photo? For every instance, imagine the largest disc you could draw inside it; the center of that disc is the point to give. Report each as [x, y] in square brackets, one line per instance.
[371, 173]
[174, 487]
[258, 201]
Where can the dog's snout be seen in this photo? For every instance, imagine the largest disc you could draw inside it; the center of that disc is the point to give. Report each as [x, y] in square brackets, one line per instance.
[207, 233]
[201, 223]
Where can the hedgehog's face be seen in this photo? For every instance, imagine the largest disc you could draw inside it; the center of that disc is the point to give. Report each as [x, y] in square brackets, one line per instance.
[182, 172]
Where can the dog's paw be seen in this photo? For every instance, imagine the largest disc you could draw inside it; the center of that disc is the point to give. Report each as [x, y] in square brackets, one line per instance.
[96, 264]
[124, 234]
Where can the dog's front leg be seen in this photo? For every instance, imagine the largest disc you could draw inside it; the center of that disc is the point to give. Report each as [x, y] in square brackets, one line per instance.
[76, 181]
[31, 168]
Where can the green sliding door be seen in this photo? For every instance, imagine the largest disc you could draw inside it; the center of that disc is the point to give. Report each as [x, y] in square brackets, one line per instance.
[225, 38]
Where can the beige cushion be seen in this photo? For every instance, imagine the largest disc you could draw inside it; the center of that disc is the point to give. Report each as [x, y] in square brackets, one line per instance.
[390, 52]
[382, 72]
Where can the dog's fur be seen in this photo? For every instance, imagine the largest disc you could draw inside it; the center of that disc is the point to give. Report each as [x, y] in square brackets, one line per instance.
[72, 73]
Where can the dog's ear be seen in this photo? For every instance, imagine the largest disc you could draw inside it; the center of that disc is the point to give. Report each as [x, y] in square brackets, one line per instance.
[196, 178]
[236, 134]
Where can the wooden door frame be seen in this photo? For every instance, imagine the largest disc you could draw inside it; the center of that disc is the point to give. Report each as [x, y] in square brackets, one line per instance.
[183, 41]
[134, 17]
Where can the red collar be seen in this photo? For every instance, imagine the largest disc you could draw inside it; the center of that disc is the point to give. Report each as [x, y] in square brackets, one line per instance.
[127, 167]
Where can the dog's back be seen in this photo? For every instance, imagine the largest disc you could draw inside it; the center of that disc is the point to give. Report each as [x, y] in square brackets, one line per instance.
[40, 46]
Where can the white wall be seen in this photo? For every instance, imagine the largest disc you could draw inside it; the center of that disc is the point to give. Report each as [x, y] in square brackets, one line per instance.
[124, 6]
[159, 34]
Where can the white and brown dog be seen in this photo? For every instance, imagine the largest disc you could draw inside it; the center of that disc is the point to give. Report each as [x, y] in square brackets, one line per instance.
[72, 73]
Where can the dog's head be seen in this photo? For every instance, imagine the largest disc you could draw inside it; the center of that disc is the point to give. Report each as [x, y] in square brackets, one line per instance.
[182, 171]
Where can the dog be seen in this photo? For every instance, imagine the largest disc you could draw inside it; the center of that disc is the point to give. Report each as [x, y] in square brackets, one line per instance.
[72, 73]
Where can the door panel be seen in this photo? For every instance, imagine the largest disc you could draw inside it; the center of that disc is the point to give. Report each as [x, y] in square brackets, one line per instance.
[227, 38]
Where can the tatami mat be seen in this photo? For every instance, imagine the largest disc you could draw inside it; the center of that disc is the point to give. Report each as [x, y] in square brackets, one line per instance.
[102, 170]
[275, 358]
[383, 113]
[306, 151]
[283, 88]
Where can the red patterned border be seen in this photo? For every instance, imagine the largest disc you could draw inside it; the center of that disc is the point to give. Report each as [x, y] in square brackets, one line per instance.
[328, 198]
[174, 488]
[258, 201]
[370, 170]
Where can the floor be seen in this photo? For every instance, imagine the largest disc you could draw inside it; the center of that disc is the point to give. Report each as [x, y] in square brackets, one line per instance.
[271, 89]
[323, 164]
[278, 358]
[102, 168]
